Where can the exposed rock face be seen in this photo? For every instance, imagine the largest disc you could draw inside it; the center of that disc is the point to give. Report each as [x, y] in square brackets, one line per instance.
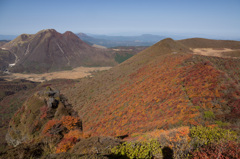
[49, 50]
[52, 103]
[46, 113]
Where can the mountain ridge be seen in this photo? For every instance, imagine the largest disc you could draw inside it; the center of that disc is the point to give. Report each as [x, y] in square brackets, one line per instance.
[129, 89]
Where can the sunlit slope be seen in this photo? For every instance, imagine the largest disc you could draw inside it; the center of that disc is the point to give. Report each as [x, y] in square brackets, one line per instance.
[164, 86]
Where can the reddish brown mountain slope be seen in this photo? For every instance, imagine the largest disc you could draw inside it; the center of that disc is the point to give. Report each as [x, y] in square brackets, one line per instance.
[49, 50]
[164, 86]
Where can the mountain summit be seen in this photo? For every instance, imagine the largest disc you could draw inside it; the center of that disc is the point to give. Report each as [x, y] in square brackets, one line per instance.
[49, 50]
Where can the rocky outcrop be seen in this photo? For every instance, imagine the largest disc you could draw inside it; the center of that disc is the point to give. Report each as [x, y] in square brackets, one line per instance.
[46, 126]
[45, 116]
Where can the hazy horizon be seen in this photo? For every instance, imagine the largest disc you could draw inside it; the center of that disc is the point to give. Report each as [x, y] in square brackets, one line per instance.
[216, 18]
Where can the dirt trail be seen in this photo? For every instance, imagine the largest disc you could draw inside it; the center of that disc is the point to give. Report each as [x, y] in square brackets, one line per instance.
[76, 73]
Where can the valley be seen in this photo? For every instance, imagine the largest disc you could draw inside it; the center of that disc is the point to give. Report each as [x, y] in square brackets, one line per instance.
[75, 73]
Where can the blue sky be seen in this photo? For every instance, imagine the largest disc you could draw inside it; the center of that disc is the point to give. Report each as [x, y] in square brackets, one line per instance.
[122, 17]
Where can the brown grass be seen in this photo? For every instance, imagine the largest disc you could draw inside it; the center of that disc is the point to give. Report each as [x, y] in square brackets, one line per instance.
[223, 52]
[76, 73]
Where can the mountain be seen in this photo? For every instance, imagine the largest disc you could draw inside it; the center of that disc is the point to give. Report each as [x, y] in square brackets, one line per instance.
[88, 39]
[163, 101]
[49, 50]
[163, 86]
[114, 41]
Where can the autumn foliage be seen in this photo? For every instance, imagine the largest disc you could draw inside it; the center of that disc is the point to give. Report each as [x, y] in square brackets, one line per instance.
[66, 144]
[43, 111]
[70, 122]
[173, 91]
[73, 133]
[223, 150]
[49, 125]
[158, 96]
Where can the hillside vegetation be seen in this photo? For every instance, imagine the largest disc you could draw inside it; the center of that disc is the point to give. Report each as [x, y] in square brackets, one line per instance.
[164, 102]
[161, 87]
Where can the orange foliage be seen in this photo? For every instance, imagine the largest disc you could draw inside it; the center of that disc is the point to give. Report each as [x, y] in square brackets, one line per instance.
[154, 94]
[69, 140]
[71, 137]
[167, 92]
[66, 144]
[49, 125]
[171, 138]
[69, 122]
[172, 133]
[74, 133]
[43, 111]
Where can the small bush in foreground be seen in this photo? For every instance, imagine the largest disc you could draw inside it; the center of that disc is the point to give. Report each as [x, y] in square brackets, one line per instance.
[138, 149]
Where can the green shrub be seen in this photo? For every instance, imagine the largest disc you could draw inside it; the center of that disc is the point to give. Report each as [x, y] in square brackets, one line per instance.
[121, 58]
[138, 149]
[220, 123]
[206, 135]
[197, 107]
[209, 115]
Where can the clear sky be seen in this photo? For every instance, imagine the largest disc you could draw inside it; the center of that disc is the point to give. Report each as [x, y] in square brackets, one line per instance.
[210, 17]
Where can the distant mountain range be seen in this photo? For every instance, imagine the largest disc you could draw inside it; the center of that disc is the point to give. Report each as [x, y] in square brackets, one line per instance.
[113, 41]
[140, 40]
